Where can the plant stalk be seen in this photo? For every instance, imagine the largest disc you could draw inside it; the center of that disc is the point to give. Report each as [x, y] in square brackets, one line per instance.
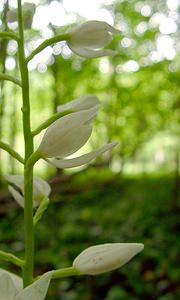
[28, 267]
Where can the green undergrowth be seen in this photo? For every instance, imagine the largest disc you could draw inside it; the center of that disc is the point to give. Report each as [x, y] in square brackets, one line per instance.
[95, 207]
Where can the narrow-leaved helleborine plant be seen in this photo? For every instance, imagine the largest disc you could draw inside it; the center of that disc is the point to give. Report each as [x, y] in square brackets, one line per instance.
[65, 133]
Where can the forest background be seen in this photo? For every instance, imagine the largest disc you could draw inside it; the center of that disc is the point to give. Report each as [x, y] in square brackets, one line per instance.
[130, 195]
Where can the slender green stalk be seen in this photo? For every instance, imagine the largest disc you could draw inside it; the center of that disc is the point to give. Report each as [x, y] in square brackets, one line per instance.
[50, 121]
[28, 220]
[48, 42]
[8, 35]
[65, 272]
[28, 267]
[10, 78]
[11, 258]
[13, 153]
[3, 56]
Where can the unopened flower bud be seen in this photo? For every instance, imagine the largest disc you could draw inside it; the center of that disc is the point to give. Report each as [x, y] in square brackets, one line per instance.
[88, 39]
[28, 10]
[106, 257]
[68, 134]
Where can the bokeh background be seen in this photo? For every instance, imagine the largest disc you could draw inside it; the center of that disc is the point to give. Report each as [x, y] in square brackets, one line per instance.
[129, 195]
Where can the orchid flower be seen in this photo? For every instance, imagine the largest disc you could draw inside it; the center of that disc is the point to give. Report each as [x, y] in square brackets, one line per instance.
[69, 133]
[88, 39]
[41, 189]
[11, 287]
[106, 257]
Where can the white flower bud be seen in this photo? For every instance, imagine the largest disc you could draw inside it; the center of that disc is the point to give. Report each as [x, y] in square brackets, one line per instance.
[85, 102]
[11, 287]
[68, 134]
[41, 189]
[88, 39]
[106, 257]
[28, 10]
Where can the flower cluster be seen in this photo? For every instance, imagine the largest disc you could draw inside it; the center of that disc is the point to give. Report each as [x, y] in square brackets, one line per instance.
[62, 138]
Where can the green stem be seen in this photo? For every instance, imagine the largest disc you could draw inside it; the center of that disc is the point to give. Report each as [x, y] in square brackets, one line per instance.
[28, 268]
[48, 42]
[11, 258]
[8, 35]
[50, 121]
[10, 78]
[65, 272]
[28, 219]
[13, 153]
[4, 43]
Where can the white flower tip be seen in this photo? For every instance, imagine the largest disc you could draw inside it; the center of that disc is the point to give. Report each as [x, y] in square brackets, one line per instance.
[114, 30]
[106, 257]
[85, 102]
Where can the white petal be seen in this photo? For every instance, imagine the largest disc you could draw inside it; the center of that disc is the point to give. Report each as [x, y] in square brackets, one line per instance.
[17, 196]
[17, 281]
[83, 159]
[17, 180]
[89, 53]
[7, 288]
[106, 257]
[68, 134]
[83, 103]
[37, 290]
